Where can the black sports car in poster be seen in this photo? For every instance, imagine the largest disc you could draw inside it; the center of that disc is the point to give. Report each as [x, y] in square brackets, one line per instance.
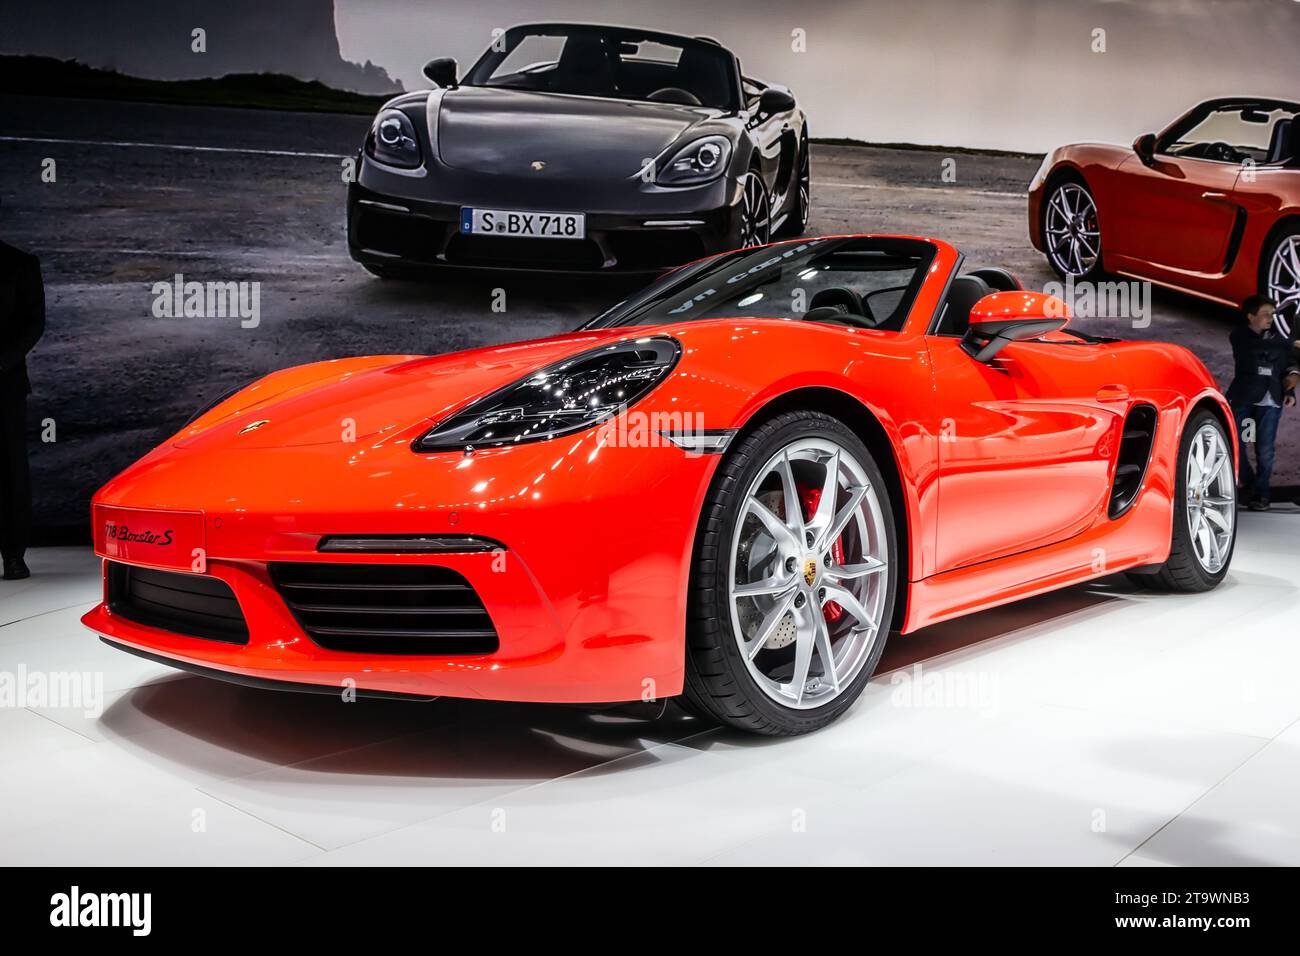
[574, 147]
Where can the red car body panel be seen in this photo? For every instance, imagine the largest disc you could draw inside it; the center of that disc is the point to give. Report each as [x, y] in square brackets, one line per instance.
[1003, 474]
[1191, 224]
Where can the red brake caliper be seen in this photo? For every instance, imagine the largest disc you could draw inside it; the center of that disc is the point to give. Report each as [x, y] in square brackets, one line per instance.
[809, 498]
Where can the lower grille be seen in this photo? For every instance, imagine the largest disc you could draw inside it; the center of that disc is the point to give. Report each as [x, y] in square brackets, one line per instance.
[191, 604]
[411, 237]
[386, 608]
[655, 249]
[519, 252]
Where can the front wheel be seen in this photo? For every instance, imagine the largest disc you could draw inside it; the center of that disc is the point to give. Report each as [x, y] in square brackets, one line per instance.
[792, 582]
[1205, 510]
[1072, 231]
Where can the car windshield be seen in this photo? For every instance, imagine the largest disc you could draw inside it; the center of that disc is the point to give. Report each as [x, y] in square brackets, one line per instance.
[857, 281]
[609, 62]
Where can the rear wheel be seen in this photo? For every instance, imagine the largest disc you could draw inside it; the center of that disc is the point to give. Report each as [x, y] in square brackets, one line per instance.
[792, 587]
[796, 224]
[755, 212]
[1280, 272]
[1205, 510]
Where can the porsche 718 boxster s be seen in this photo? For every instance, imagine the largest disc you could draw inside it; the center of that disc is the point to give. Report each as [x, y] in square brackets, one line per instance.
[730, 486]
[1209, 206]
[571, 147]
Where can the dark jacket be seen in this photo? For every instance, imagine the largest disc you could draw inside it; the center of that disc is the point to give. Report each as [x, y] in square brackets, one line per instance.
[22, 315]
[1260, 363]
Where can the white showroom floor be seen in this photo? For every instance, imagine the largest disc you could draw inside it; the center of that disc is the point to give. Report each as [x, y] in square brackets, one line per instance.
[1096, 726]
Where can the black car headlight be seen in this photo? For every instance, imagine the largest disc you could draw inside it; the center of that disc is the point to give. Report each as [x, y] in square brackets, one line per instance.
[568, 396]
[392, 140]
[697, 162]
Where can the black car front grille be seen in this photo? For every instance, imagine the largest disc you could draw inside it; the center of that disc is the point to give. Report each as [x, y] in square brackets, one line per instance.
[386, 608]
[191, 604]
[523, 253]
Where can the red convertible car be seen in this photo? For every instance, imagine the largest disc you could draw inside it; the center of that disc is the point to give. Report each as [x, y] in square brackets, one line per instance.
[731, 486]
[1210, 206]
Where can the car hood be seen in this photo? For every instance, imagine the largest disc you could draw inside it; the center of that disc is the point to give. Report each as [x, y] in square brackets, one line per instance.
[506, 132]
[327, 404]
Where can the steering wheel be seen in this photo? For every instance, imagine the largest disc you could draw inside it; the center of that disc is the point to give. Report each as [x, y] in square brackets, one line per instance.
[1221, 151]
[674, 94]
[840, 304]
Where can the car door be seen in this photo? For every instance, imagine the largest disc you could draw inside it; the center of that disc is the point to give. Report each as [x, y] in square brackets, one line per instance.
[1176, 213]
[1025, 445]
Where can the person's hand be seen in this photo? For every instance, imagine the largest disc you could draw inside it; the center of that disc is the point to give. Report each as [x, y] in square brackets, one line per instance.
[1288, 402]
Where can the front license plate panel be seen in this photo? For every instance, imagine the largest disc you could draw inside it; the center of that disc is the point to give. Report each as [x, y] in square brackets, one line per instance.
[162, 539]
[475, 221]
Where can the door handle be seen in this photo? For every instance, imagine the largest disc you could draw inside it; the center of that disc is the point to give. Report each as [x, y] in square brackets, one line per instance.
[1112, 393]
[1216, 196]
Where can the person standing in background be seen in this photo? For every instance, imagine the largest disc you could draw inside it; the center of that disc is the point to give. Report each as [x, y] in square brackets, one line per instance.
[1263, 383]
[22, 322]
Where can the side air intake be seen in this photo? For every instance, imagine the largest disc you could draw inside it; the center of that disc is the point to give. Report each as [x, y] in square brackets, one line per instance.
[1135, 447]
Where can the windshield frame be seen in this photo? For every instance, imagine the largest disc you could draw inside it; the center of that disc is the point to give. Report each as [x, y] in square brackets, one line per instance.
[625, 313]
[478, 74]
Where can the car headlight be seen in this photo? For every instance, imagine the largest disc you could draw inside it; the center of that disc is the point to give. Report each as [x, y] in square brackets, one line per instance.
[568, 396]
[392, 140]
[697, 162]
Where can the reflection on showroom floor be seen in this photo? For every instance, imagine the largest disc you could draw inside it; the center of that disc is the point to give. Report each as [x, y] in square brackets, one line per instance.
[1096, 726]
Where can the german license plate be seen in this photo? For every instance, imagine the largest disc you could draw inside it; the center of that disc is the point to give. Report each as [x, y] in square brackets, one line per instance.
[533, 225]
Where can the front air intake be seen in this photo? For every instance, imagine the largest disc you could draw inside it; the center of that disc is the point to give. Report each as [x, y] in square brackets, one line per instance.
[195, 605]
[411, 609]
[1136, 442]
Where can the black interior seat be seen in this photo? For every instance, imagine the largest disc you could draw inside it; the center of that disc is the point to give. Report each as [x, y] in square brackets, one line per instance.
[585, 66]
[702, 73]
[1282, 146]
[962, 295]
[999, 279]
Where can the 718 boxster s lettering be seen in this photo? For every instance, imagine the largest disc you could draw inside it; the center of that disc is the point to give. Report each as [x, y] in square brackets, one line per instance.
[572, 147]
[1210, 206]
[731, 486]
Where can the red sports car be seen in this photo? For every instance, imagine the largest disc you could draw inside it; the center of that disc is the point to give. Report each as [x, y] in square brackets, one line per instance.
[1210, 206]
[731, 486]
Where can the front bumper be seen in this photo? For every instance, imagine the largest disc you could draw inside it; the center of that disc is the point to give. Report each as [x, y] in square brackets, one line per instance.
[587, 597]
[407, 221]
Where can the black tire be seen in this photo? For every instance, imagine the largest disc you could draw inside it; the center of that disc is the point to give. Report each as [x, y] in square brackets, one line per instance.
[1055, 186]
[1183, 570]
[796, 223]
[718, 683]
[1291, 311]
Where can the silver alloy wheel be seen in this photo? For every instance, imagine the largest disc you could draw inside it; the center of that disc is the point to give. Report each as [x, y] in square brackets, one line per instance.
[1284, 275]
[1211, 498]
[805, 189]
[755, 213]
[785, 571]
[1073, 237]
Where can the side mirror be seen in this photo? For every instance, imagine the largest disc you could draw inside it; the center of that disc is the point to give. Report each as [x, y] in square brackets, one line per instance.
[1145, 147]
[999, 319]
[442, 71]
[775, 101]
